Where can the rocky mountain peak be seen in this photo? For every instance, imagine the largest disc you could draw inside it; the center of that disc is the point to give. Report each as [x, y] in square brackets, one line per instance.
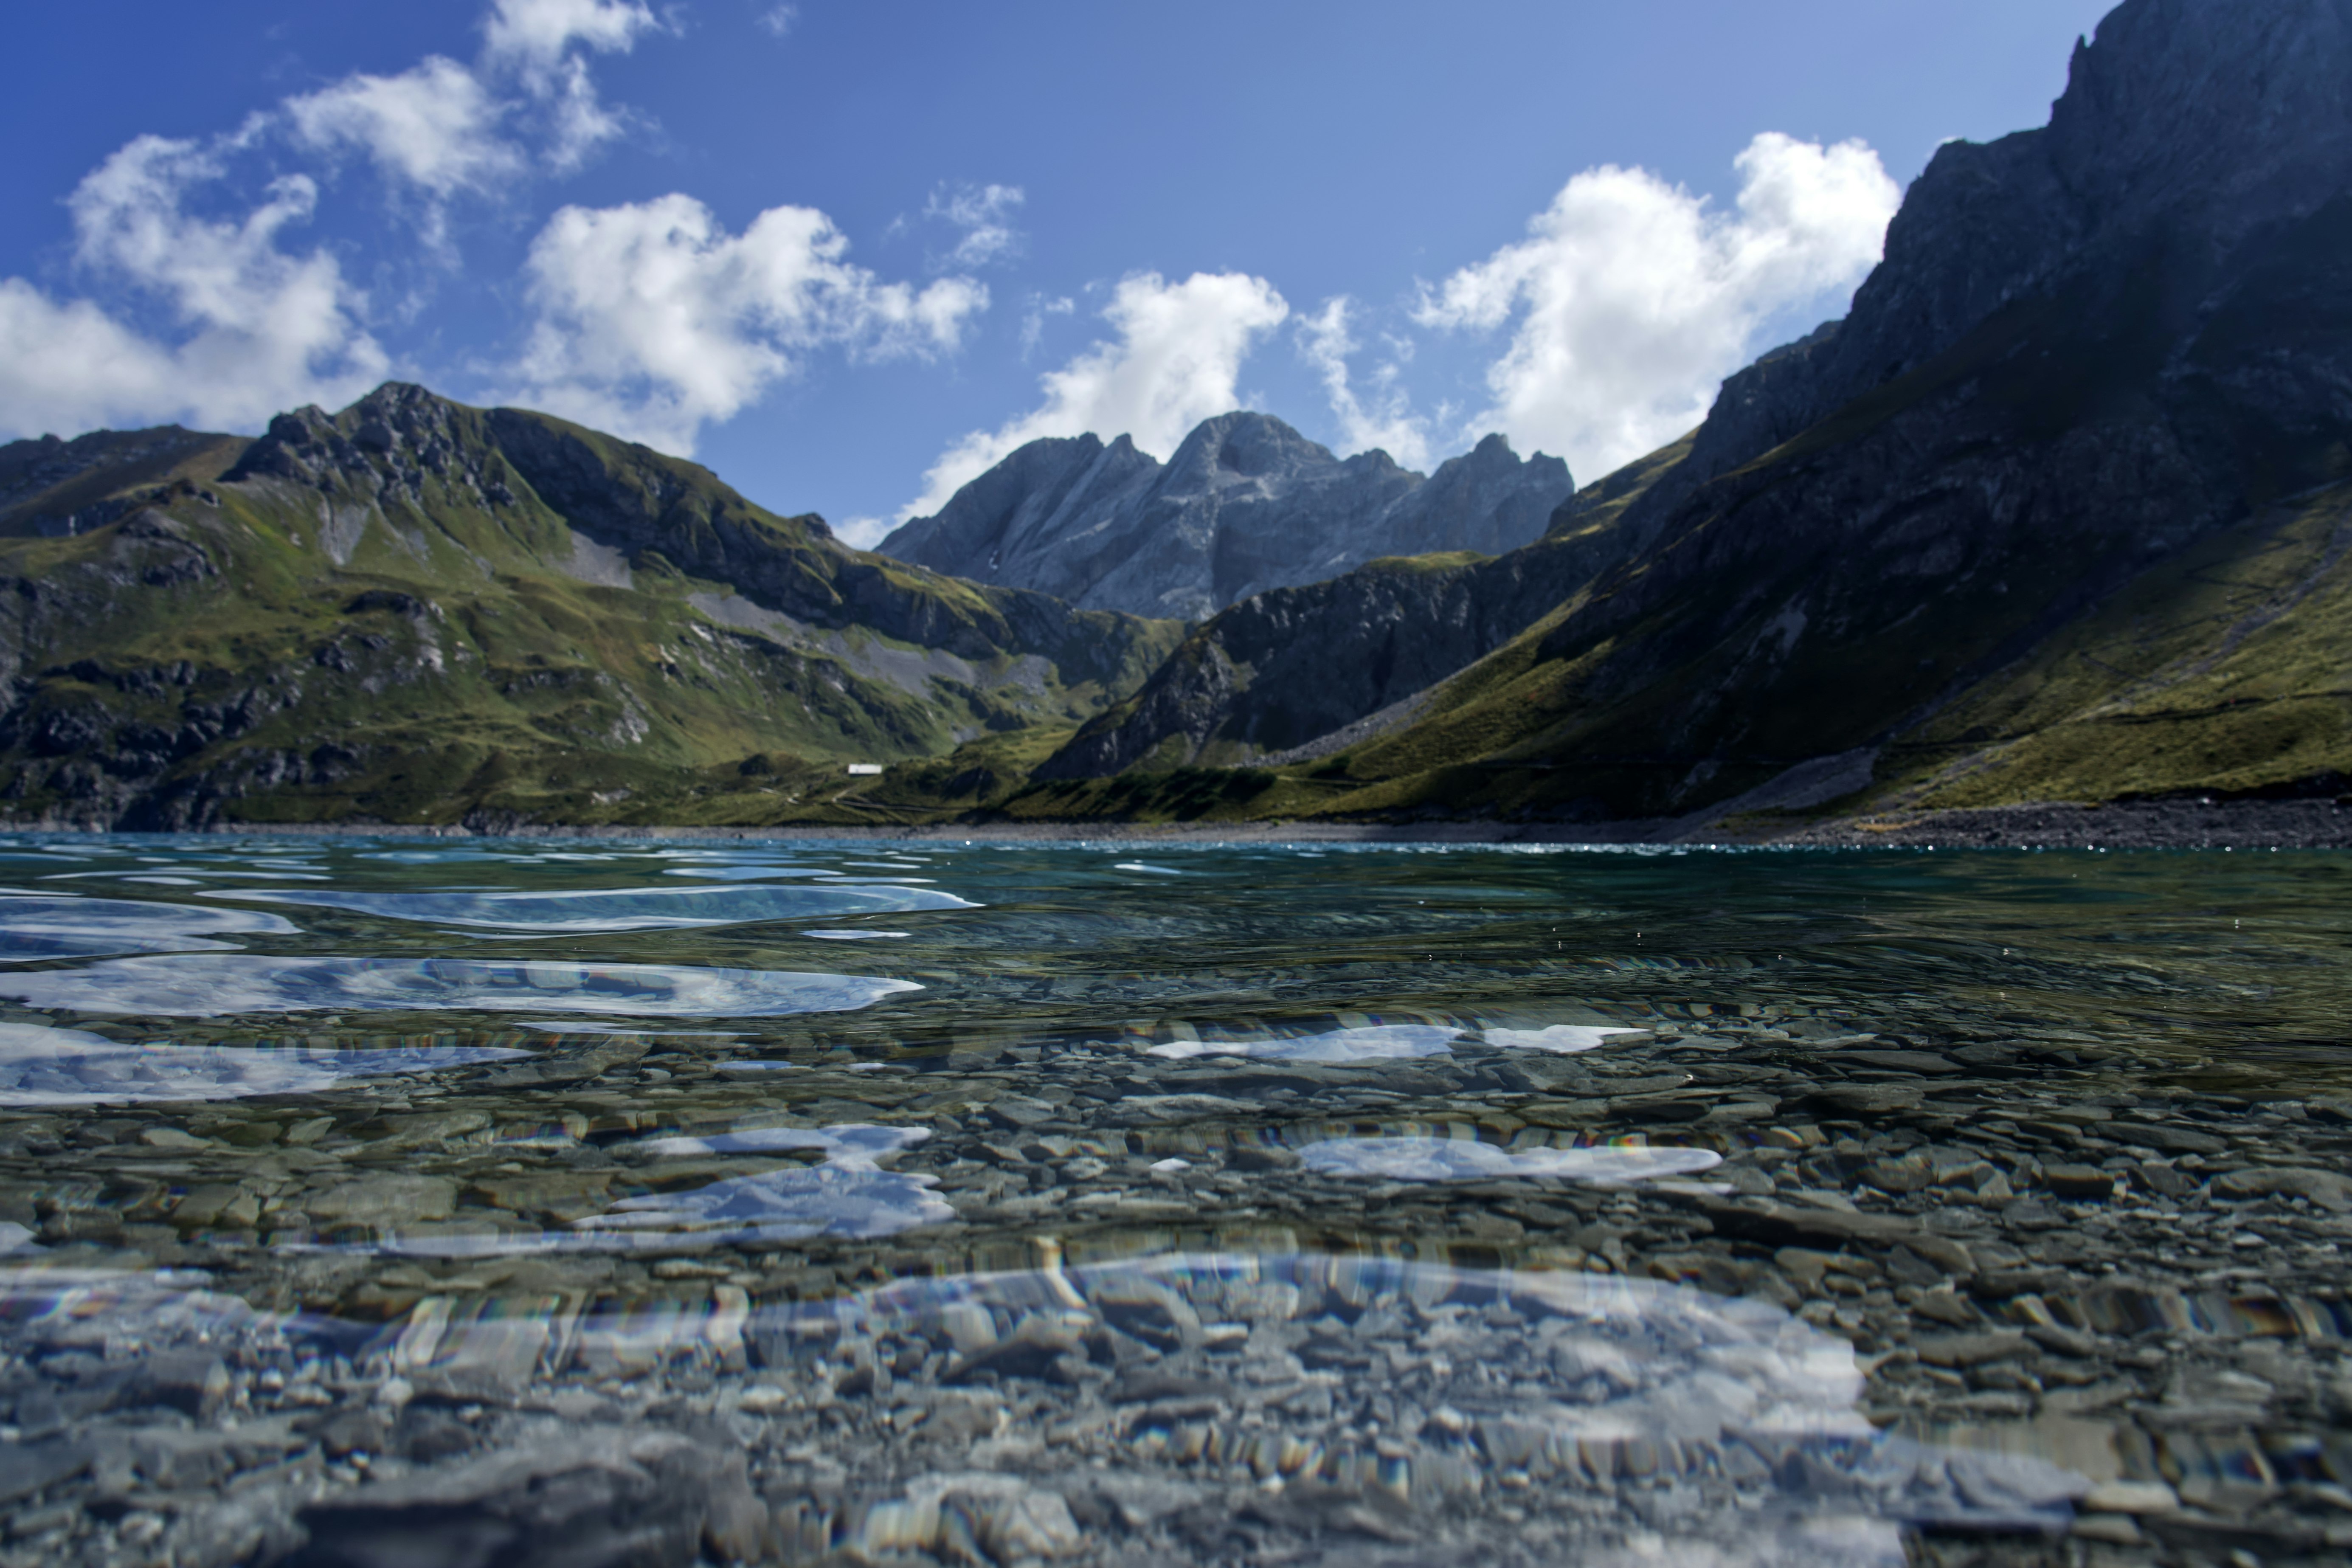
[387, 446]
[1243, 445]
[2188, 125]
[1246, 503]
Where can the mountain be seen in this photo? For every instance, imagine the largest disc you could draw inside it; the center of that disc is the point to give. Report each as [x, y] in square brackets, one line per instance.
[1246, 504]
[416, 611]
[2060, 510]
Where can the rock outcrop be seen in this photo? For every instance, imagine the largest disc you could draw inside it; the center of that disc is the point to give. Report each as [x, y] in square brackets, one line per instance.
[1246, 504]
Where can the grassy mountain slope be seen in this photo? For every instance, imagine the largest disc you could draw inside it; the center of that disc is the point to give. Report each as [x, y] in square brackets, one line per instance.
[2094, 550]
[2055, 513]
[418, 611]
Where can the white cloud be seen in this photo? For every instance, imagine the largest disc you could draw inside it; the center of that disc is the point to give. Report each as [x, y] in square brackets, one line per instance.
[578, 122]
[246, 328]
[653, 320]
[435, 128]
[780, 20]
[538, 35]
[1176, 362]
[261, 330]
[862, 532]
[981, 212]
[1633, 299]
[539, 41]
[446, 129]
[435, 125]
[1033, 325]
[1388, 421]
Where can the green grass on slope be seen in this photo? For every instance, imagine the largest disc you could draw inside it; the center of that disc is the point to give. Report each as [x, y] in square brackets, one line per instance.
[300, 657]
[2226, 669]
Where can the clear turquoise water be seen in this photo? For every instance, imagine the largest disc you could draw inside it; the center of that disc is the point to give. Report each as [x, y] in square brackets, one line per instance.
[344, 1076]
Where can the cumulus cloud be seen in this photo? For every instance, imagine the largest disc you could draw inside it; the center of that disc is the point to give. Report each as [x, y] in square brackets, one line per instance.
[1632, 298]
[779, 20]
[442, 129]
[538, 35]
[435, 125]
[652, 320]
[983, 211]
[435, 128]
[263, 330]
[211, 319]
[1386, 420]
[1175, 361]
[541, 41]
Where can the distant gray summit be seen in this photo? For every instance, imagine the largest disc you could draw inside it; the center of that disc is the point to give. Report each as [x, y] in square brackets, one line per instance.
[1246, 504]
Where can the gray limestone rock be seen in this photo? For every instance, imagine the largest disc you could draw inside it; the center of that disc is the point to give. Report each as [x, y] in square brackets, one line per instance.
[1246, 504]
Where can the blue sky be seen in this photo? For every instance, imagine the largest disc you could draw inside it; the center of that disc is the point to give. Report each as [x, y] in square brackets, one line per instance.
[847, 254]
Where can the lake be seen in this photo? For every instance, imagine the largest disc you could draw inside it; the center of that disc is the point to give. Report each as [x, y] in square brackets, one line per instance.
[403, 1200]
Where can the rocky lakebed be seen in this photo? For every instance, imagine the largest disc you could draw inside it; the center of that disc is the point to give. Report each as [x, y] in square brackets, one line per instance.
[369, 1204]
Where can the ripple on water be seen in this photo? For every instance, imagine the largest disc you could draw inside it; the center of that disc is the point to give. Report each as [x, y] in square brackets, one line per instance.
[70, 1067]
[203, 984]
[1429, 1412]
[596, 910]
[1563, 1039]
[38, 926]
[1377, 1042]
[848, 1195]
[1461, 1160]
[848, 1143]
[1518, 1418]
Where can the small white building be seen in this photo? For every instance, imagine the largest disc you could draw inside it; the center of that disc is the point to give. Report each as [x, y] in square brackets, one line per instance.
[863, 770]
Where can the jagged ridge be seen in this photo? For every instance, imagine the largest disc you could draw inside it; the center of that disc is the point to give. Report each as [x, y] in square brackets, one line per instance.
[1246, 504]
[2092, 353]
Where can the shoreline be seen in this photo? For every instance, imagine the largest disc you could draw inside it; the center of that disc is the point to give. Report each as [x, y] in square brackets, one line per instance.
[2252, 825]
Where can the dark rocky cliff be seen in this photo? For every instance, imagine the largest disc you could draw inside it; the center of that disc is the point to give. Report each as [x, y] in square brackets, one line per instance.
[2193, 123]
[2094, 355]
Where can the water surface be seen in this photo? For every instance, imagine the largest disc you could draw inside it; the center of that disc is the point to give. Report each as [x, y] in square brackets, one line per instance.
[1101, 1203]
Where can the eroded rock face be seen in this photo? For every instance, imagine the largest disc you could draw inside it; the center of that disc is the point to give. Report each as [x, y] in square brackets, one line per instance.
[2215, 120]
[1246, 504]
[1291, 671]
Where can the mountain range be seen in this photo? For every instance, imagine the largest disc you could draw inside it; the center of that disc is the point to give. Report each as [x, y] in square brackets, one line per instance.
[2060, 510]
[1246, 504]
[415, 611]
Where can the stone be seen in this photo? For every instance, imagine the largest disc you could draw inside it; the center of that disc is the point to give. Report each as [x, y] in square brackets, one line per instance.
[2131, 1497]
[195, 1382]
[2326, 1189]
[1972, 1349]
[2170, 1139]
[1903, 1061]
[549, 1505]
[1869, 1099]
[2079, 1183]
[27, 1467]
[387, 1201]
[1033, 1524]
